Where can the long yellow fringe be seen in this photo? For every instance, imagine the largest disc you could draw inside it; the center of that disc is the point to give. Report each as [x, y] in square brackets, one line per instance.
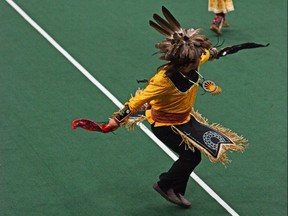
[130, 125]
[239, 142]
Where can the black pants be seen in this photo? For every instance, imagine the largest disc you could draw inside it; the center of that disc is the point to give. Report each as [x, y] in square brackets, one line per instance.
[178, 175]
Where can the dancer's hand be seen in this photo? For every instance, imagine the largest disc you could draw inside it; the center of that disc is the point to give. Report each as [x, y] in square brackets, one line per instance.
[112, 125]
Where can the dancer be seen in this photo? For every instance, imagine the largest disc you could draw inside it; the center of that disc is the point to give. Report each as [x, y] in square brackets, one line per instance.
[220, 8]
[168, 102]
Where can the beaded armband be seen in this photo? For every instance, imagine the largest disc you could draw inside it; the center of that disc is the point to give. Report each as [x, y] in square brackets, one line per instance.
[122, 115]
[213, 53]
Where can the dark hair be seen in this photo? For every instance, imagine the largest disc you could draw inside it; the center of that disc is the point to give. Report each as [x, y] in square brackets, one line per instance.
[185, 47]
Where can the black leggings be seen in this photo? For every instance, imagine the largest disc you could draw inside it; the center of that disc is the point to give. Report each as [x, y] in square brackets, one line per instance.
[178, 175]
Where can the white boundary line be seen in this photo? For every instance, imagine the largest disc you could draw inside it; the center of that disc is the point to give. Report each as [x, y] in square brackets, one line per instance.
[117, 102]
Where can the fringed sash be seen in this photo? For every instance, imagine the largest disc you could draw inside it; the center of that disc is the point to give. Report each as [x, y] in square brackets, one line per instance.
[163, 117]
[213, 140]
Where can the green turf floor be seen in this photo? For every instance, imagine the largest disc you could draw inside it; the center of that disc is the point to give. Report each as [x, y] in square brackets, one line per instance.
[48, 169]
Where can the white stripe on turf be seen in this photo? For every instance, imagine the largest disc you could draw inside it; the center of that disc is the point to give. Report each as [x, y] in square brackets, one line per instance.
[116, 102]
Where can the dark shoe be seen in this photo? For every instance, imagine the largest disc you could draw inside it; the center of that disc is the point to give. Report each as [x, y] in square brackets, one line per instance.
[185, 203]
[168, 195]
[225, 24]
[215, 28]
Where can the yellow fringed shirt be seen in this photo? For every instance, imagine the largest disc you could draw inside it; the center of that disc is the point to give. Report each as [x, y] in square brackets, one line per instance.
[163, 96]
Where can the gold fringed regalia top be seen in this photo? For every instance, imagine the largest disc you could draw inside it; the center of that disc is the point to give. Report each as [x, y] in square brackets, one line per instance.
[170, 107]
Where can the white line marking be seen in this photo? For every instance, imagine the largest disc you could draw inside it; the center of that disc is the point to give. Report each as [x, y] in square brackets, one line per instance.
[117, 103]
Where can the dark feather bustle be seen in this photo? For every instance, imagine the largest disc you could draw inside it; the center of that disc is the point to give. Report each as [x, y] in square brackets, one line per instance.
[181, 45]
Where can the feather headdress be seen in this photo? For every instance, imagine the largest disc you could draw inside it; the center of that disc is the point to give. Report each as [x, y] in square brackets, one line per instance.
[181, 45]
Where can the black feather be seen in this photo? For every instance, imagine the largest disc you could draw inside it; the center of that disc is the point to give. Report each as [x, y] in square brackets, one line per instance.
[171, 19]
[235, 48]
[159, 29]
[163, 23]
